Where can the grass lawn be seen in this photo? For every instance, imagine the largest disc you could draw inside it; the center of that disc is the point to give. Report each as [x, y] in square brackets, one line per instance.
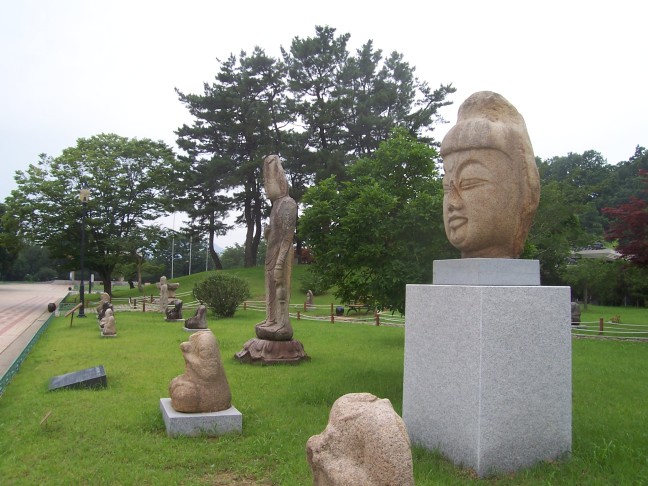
[116, 435]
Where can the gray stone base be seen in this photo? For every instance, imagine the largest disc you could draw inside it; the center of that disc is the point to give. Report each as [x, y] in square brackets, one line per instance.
[211, 424]
[108, 335]
[186, 329]
[487, 374]
[174, 320]
[266, 352]
[486, 271]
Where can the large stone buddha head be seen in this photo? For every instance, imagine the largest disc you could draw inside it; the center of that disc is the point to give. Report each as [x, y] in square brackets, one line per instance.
[491, 183]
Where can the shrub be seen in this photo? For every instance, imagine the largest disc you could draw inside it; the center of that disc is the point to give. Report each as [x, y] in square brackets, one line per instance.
[222, 293]
[314, 282]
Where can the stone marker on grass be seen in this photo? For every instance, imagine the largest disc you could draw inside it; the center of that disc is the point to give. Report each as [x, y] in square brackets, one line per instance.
[94, 377]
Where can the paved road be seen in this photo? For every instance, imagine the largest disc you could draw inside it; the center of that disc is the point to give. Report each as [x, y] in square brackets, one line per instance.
[23, 310]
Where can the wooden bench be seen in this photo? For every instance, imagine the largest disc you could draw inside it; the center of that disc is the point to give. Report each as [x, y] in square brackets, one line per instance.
[357, 306]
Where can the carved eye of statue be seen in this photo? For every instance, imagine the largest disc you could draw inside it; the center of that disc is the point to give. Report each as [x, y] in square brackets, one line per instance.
[472, 182]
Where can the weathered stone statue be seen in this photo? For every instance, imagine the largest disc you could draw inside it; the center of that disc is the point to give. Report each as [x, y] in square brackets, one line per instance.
[203, 387]
[101, 311]
[491, 183]
[103, 298]
[279, 236]
[199, 319]
[575, 313]
[175, 312]
[309, 300]
[164, 294]
[108, 324]
[167, 291]
[365, 442]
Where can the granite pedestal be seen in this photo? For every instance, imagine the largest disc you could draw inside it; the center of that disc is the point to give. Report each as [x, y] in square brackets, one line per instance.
[193, 424]
[487, 372]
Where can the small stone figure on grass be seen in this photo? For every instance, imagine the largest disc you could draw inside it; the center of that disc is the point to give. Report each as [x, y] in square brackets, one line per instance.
[175, 312]
[203, 387]
[364, 443]
[167, 292]
[309, 300]
[575, 313]
[199, 319]
[108, 324]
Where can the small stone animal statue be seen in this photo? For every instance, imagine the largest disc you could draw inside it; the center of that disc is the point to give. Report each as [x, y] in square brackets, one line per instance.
[175, 313]
[203, 387]
[108, 324]
[199, 319]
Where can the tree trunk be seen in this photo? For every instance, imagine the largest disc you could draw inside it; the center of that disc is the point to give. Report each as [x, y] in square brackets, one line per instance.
[214, 256]
[106, 276]
[252, 212]
[139, 261]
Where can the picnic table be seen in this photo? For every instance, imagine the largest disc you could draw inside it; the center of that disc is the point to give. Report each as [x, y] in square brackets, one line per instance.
[357, 306]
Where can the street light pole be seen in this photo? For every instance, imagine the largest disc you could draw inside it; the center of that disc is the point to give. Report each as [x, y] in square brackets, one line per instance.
[84, 195]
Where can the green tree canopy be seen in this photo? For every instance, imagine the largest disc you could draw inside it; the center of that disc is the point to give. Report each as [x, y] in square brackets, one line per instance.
[381, 230]
[130, 181]
[238, 120]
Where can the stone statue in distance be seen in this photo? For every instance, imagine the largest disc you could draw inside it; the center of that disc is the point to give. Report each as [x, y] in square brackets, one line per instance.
[108, 324]
[491, 184]
[198, 320]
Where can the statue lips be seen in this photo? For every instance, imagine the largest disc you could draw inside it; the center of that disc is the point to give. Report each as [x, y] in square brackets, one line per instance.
[456, 222]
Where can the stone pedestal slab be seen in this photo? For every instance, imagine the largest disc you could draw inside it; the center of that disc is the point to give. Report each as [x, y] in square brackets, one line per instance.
[487, 375]
[266, 352]
[486, 271]
[193, 424]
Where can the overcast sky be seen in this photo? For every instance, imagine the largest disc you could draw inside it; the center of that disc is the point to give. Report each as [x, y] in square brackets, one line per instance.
[576, 70]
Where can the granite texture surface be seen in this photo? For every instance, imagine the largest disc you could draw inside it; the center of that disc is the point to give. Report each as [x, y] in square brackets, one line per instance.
[193, 424]
[486, 271]
[487, 374]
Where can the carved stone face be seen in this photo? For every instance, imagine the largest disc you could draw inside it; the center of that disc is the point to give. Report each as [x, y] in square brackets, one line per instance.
[481, 202]
[491, 182]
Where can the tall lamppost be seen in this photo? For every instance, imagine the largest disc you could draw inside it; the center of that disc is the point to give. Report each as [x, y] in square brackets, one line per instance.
[84, 195]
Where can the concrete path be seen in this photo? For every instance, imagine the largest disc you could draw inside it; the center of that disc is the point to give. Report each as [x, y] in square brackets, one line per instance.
[23, 311]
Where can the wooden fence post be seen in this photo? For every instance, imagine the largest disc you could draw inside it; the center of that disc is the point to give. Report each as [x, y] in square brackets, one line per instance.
[298, 315]
[245, 305]
[377, 317]
[143, 305]
[601, 326]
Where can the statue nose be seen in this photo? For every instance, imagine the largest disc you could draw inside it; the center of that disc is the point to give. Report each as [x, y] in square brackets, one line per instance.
[453, 197]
